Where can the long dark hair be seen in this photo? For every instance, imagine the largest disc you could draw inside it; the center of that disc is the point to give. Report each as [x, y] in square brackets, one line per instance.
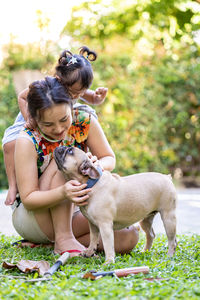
[72, 68]
[44, 94]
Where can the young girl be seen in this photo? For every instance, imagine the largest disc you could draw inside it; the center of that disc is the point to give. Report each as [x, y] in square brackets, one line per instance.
[75, 73]
[45, 212]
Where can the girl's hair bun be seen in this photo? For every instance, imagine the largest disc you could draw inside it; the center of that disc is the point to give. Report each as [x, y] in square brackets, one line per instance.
[65, 57]
[87, 53]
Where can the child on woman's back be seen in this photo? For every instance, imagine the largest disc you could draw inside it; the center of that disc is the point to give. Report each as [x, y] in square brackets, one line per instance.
[74, 71]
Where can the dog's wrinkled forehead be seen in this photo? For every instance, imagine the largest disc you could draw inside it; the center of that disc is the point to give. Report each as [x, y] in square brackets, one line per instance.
[69, 158]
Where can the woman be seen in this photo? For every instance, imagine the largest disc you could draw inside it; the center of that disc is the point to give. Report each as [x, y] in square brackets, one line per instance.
[71, 70]
[46, 212]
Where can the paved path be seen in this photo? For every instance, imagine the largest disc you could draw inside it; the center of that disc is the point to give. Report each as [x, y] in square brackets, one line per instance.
[188, 214]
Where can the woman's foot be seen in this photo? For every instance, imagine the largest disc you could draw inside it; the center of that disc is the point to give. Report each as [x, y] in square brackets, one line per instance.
[11, 195]
[63, 245]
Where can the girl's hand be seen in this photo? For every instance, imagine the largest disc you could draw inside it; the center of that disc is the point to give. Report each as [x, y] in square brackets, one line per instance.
[30, 123]
[76, 192]
[99, 95]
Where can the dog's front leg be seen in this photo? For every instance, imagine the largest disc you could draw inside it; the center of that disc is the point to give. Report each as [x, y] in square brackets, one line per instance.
[107, 235]
[94, 239]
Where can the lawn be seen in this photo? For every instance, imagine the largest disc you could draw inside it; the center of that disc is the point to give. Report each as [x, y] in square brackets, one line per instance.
[169, 278]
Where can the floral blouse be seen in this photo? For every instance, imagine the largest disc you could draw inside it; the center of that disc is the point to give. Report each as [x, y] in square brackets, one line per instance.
[76, 136]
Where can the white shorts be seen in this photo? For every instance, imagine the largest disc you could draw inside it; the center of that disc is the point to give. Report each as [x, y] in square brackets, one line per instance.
[12, 132]
[26, 225]
[86, 108]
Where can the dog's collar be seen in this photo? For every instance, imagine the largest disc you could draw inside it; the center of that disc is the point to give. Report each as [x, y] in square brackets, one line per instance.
[91, 182]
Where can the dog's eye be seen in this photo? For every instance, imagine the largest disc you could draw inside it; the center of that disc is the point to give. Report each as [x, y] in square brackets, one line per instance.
[70, 150]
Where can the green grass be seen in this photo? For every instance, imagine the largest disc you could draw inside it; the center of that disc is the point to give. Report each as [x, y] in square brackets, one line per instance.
[181, 274]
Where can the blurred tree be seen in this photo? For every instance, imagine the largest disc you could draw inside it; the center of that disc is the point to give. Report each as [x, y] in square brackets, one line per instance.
[150, 61]
[42, 21]
[8, 110]
[161, 20]
[34, 56]
[17, 56]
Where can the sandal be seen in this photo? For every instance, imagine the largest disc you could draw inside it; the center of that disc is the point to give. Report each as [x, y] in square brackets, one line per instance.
[71, 251]
[25, 243]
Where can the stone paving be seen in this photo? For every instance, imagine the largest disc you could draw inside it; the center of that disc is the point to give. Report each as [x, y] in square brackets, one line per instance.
[188, 214]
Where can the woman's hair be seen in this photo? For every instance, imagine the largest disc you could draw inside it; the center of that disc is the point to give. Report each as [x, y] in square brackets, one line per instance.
[44, 94]
[72, 68]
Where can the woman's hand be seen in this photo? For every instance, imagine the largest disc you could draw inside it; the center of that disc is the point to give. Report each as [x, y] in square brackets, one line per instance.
[76, 192]
[94, 160]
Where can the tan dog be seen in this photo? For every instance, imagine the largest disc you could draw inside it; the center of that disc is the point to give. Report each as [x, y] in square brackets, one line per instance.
[116, 202]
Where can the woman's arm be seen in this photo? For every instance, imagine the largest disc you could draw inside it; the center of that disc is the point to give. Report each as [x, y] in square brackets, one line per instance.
[28, 184]
[99, 146]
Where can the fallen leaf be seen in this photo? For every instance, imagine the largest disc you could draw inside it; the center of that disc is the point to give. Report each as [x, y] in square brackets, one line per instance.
[29, 266]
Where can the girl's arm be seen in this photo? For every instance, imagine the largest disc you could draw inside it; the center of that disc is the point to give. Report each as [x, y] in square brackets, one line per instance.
[95, 97]
[99, 146]
[28, 184]
[23, 106]
[22, 102]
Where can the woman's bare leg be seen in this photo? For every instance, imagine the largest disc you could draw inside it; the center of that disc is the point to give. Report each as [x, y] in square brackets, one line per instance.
[64, 237]
[8, 151]
[56, 223]
[125, 239]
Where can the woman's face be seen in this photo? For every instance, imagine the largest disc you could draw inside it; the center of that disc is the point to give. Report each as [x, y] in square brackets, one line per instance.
[55, 121]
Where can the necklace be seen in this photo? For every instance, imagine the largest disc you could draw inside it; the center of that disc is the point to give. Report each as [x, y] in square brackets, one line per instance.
[46, 138]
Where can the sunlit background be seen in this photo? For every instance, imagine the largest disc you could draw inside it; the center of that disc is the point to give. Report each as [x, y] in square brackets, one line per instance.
[148, 57]
[20, 20]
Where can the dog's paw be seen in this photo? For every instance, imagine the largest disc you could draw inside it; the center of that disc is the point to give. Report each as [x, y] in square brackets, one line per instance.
[145, 249]
[109, 261]
[88, 252]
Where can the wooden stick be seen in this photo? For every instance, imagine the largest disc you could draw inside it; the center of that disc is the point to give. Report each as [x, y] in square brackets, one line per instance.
[119, 272]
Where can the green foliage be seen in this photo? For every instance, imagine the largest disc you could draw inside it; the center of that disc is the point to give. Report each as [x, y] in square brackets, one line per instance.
[169, 278]
[156, 125]
[158, 20]
[149, 61]
[8, 112]
[32, 56]
[18, 57]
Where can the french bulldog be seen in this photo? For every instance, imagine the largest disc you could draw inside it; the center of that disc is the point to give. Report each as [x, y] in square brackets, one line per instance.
[117, 202]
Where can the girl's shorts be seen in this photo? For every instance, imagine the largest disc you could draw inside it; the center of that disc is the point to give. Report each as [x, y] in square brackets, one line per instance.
[86, 108]
[12, 132]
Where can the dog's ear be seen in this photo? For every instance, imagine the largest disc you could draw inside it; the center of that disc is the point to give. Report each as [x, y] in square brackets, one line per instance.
[87, 168]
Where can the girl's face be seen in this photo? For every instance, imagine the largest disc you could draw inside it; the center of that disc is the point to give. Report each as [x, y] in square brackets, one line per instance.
[76, 91]
[55, 121]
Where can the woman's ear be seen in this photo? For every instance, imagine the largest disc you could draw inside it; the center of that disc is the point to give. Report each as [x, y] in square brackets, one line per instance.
[88, 169]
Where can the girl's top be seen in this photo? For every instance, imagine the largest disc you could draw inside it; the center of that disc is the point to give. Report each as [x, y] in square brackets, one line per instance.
[76, 136]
